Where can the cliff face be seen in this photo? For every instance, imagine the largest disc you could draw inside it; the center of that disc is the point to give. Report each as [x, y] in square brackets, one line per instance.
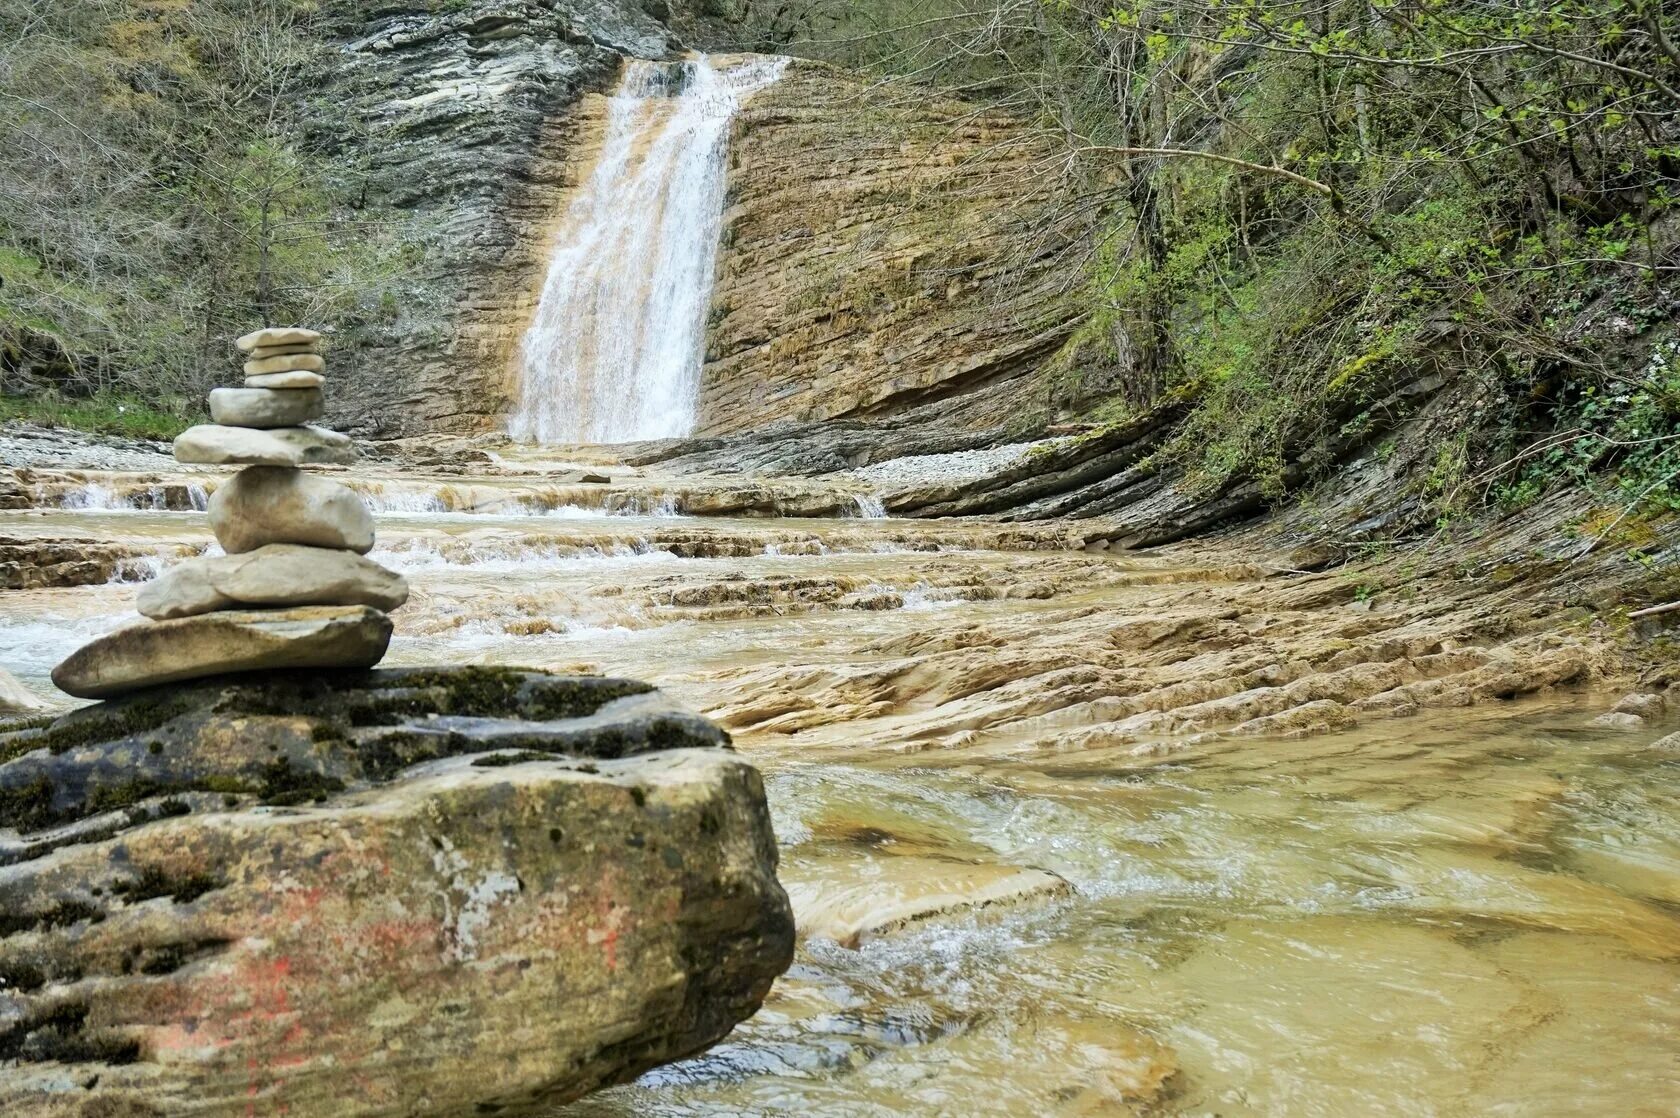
[878, 253]
[875, 254]
[463, 119]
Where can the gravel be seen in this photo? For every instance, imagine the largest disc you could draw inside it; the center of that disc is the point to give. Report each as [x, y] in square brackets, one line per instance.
[961, 465]
[58, 448]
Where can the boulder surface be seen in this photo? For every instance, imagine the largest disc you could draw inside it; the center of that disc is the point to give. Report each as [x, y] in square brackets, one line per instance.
[379, 893]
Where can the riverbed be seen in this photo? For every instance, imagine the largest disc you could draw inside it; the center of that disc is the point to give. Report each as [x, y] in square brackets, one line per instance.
[1079, 833]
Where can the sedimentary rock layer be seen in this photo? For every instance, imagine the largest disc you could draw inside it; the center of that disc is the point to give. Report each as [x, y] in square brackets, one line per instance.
[878, 252]
[463, 115]
[874, 254]
[374, 894]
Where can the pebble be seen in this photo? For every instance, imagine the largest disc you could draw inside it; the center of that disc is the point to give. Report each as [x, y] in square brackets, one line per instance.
[956, 466]
[24, 445]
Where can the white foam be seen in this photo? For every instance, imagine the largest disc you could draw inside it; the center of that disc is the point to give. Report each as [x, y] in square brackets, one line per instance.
[871, 507]
[514, 558]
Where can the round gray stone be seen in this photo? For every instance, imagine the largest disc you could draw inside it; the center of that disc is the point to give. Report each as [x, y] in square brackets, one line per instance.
[263, 505]
[214, 445]
[274, 575]
[265, 407]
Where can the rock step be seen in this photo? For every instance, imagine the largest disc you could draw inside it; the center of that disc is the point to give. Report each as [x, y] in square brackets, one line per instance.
[901, 889]
[156, 652]
[215, 445]
[264, 505]
[265, 408]
[276, 575]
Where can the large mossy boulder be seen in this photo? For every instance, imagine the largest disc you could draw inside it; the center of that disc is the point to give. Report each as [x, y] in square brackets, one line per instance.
[468, 891]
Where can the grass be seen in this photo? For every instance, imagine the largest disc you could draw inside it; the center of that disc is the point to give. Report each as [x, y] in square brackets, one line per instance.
[106, 413]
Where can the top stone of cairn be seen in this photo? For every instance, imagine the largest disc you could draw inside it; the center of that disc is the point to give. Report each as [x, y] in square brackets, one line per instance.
[277, 336]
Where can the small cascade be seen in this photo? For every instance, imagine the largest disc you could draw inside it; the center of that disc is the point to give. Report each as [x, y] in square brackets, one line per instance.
[870, 507]
[98, 497]
[614, 352]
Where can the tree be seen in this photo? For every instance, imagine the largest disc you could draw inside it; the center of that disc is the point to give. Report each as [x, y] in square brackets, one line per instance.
[164, 187]
[1295, 207]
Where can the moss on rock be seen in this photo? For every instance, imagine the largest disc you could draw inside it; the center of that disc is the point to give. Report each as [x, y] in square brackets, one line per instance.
[296, 737]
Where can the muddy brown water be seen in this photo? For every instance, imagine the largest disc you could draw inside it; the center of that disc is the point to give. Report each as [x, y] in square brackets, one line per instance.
[1472, 911]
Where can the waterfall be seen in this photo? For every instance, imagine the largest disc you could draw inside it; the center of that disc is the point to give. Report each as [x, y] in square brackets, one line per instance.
[871, 507]
[614, 352]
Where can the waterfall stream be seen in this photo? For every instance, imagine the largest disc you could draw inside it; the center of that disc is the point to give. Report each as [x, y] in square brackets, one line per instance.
[614, 351]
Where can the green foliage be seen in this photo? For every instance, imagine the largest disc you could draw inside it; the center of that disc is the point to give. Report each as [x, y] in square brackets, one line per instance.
[1623, 440]
[108, 413]
[1475, 197]
[170, 177]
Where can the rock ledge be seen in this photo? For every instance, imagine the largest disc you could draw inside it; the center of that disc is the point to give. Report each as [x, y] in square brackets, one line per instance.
[368, 893]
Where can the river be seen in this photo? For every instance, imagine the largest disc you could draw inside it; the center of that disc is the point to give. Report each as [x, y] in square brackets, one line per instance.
[1474, 910]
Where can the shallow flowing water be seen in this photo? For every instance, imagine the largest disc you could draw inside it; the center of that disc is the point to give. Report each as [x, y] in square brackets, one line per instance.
[1468, 912]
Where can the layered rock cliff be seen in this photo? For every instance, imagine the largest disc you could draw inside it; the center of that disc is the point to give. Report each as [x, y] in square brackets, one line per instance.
[462, 119]
[879, 251]
[398, 178]
[876, 253]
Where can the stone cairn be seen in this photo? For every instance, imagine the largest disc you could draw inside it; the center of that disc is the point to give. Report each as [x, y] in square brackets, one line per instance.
[294, 589]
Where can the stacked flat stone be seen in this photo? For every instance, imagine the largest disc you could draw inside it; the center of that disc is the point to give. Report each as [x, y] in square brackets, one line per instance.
[295, 589]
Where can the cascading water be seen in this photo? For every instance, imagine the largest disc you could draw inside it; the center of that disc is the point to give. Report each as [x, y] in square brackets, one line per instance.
[1121, 890]
[614, 352]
